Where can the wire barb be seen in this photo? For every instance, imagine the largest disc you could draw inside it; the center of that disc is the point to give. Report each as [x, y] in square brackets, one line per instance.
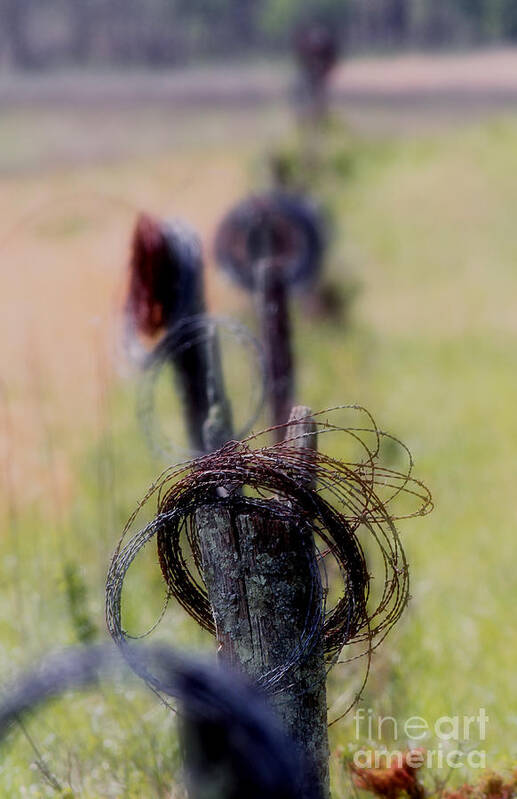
[340, 501]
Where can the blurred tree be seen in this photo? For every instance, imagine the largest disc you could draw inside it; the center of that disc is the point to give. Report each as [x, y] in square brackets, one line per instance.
[485, 17]
[282, 15]
[162, 32]
[15, 22]
[82, 30]
[207, 25]
[245, 19]
[509, 19]
[397, 21]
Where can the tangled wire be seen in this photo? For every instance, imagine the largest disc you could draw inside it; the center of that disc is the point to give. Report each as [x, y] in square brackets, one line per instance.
[337, 500]
[278, 225]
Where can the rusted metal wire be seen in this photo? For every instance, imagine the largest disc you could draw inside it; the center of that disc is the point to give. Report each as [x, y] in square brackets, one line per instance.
[165, 274]
[165, 288]
[166, 326]
[341, 501]
[279, 225]
[269, 244]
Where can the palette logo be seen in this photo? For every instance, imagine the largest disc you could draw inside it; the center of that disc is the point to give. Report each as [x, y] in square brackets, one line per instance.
[446, 731]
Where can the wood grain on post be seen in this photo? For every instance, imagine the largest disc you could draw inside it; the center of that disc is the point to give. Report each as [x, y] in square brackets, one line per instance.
[259, 571]
[302, 433]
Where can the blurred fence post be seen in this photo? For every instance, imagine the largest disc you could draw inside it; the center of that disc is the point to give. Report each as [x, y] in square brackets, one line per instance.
[273, 313]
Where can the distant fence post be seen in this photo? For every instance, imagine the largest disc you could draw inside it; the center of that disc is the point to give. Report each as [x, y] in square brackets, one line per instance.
[273, 313]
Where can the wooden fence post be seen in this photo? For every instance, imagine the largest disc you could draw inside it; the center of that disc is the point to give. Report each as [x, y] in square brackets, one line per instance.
[259, 572]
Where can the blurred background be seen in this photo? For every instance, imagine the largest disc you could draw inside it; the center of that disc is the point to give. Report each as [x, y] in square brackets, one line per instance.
[162, 33]
[178, 108]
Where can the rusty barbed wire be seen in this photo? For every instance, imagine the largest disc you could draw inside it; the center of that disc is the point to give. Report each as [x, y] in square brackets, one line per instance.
[281, 225]
[165, 282]
[165, 273]
[339, 500]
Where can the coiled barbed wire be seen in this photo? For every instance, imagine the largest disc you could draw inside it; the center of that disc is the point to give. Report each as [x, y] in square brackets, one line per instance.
[338, 500]
[168, 528]
[280, 225]
[165, 298]
[165, 282]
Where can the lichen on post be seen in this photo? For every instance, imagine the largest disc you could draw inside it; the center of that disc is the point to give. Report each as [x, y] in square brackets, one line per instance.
[262, 578]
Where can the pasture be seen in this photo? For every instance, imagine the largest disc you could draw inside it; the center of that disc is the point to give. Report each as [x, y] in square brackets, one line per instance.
[425, 226]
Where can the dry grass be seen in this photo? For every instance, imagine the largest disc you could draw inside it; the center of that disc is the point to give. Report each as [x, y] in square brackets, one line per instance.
[63, 253]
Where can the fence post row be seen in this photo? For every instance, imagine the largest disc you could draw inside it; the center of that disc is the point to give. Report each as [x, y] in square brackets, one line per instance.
[260, 571]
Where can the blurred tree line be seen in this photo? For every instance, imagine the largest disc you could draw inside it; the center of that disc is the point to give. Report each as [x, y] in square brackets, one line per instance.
[39, 33]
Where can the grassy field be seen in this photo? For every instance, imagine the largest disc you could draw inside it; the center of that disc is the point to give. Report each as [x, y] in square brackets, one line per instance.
[426, 226]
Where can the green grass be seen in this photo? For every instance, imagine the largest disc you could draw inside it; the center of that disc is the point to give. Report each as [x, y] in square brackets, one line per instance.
[429, 231]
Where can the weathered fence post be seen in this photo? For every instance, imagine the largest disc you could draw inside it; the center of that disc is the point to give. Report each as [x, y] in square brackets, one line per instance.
[260, 572]
[316, 47]
[166, 296]
[189, 360]
[269, 244]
